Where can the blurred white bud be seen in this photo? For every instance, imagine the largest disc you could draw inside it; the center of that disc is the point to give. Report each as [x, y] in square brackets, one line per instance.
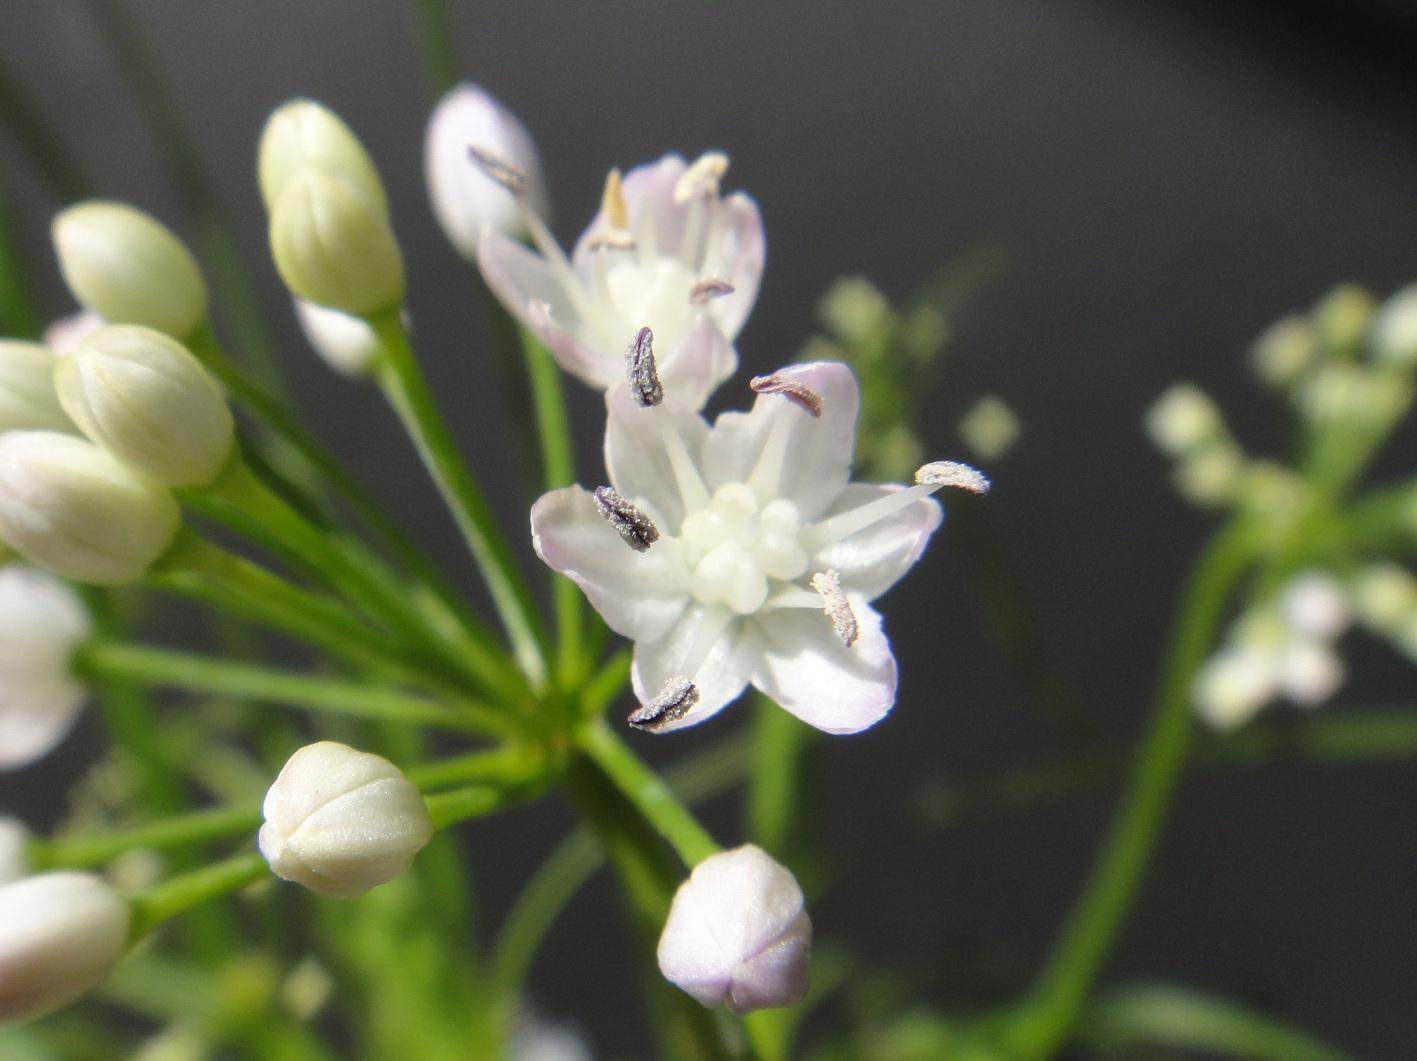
[27, 398]
[341, 821]
[1234, 684]
[146, 400]
[854, 310]
[305, 991]
[1210, 475]
[303, 134]
[1394, 335]
[347, 344]
[69, 507]
[1353, 394]
[60, 934]
[1284, 351]
[333, 246]
[990, 428]
[14, 863]
[1309, 672]
[1342, 317]
[536, 1040]
[1183, 419]
[129, 268]
[1384, 596]
[465, 199]
[1315, 605]
[65, 333]
[42, 622]
[737, 933]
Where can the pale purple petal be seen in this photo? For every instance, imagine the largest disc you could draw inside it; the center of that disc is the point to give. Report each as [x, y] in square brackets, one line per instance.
[697, 363]
[649, 186]
[720, 677]
[817, 464]
[807, 670]
[736, 253]
[636, 455]
[872, 560]
[639, 595]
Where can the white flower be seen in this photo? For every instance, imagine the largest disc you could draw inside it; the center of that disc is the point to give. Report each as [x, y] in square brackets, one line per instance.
[27, 397]
[347, 344]
[665, 252]
[341, 821]
[42, 622]
[741, 553]
[60, 934]
[14, 864]
[466, 200]
[737, 933]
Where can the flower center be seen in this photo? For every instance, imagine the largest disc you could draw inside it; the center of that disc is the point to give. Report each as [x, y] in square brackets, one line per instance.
[733, 547]
[653, 293]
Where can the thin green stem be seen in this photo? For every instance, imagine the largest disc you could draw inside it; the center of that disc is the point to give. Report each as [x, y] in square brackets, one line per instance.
[1051, 1008]
[80, 852]
[606, 684]
[435, 45]
[178, 895]
[407, 391]
[18, 318]
[508, 766]
[779, 741]
[461, 804]
[644, 789]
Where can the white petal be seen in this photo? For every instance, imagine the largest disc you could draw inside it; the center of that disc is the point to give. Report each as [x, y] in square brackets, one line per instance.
[649, 186]
[697, 363]
[636, 456]
[720, 677]
[639, 595]
[806, 669]
[872, 560]
[736, 253]
[817, 460]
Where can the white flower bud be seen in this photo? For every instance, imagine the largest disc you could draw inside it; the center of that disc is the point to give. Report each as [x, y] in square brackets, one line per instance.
[303, 133]
[14, 864]
[465, 199]
[1234, 684]
[146, 400]
[1183, 419]
[42, 622]
[128, 268]
[65, 333]
[60, 934]
[1394, 335]
[1316, 606]
[1309, 672]
[990, 428]
[1384, 595]
[737, 933]
[341, 821]
[71, 508]
[1286, 349]
[347, 344]
[27, 398]
[333, 245]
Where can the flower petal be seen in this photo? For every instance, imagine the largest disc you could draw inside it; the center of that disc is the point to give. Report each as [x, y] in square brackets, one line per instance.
[637, 458]
[640, 595]
[698, 362]
[736, 253]
[806, 669]
[720, 678]
[649, 186]
[816, 460]
[872, 560]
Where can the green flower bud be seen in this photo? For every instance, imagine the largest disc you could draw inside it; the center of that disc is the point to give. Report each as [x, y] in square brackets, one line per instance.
[334, 247]
[69, 507]
[146, 400]
[128, 268]
[27, 398]
[302, 134]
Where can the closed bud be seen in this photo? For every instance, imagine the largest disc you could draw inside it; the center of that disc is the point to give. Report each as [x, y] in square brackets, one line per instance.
[1342, 317]
[14, 863]
[1385, 596]
[465, 199]
[1285, 351]
[341, 821]
[737, 933]
[60, 935]
[333, 246]
[1184, 419]
[1394, 335]
[128, 268]
[27, 398]
[1316, 606]
[304, 134]
[1234, 684]
[347, 344]
[150, 403]
[71, 508]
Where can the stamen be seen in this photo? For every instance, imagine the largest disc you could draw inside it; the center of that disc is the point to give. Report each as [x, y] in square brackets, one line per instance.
[798, 394]
[692, 490]
[844, 524]
[707, 290]
[635, 528]
[701, 176]
[838, 608]
[675, 700]
[612, 202]
[952, 473]
[767, 473]
[499, 170]
[640, 370]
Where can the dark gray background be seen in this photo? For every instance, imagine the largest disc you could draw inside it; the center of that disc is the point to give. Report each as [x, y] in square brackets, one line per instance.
[1167, 179]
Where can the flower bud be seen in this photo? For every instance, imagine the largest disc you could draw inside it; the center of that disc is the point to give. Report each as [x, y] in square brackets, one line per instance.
[1309, 672]
[65, 333]
[304, 133]
[27, 398]
[347, 344]
[333, 245]
[42, 622]
[71, 508]
[14, 864]
[1285, 351]
[150, 403]
[1316, 606]
[465, 200]
[341, 821]
[60, 934]
[1384, 596]
[1234, 684]
[1394, 334]
[737, 933]
[1184, 419]
[128, 268]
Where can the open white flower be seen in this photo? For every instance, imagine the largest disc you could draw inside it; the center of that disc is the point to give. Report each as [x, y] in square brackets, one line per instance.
[41, 623]
[741, 552]
[665, 252]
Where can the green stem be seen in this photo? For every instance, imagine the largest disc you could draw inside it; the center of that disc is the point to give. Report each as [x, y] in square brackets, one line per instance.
[221, 677]
[435, 45]
[17, 316]
[778, 744]
[178, 895]
[643, 788]
[216, 823]
[1052, 1007]
[407, 391]
[509, 766]
[460, 804]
